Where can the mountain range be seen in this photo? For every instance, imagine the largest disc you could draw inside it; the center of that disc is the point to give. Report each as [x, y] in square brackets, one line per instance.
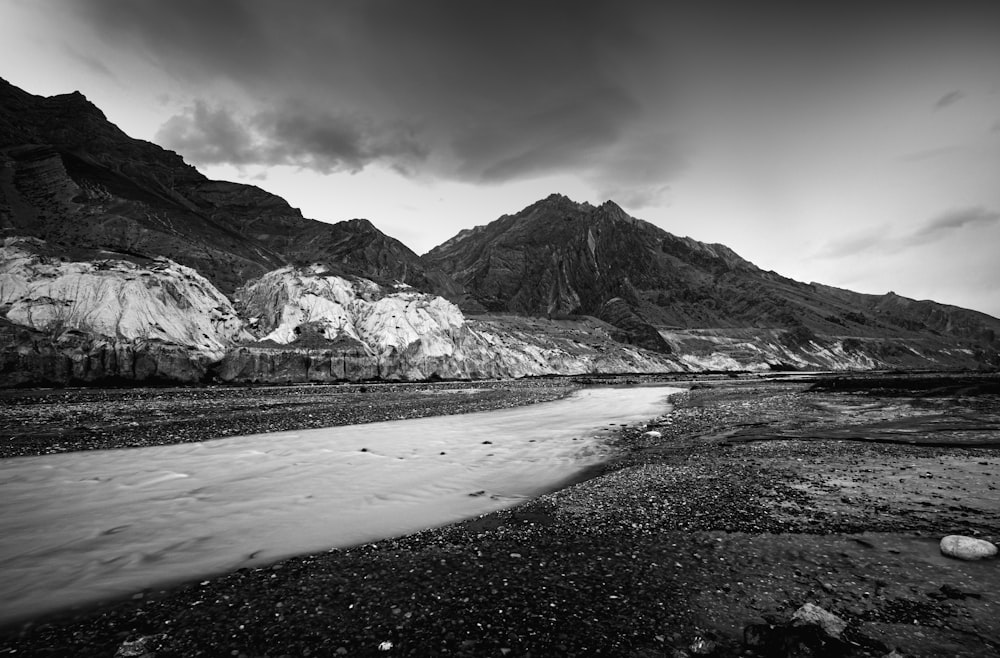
[120, 262]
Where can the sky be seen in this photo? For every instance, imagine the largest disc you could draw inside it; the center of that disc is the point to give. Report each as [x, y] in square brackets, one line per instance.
[855, 144]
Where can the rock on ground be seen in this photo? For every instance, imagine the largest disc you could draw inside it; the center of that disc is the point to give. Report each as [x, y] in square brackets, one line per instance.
[967, 548]
[831, 624]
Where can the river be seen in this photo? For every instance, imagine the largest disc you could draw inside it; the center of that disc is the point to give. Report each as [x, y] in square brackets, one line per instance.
[82, 527]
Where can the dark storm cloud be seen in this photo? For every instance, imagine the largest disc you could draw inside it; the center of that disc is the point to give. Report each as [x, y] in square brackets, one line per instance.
[542, 138]
[950, 98]
[208, 136]
[487, 91]
[327, 142]
[323, 142]
[225, 35]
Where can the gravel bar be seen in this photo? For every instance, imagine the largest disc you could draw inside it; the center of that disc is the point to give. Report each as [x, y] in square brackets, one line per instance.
[48, 421]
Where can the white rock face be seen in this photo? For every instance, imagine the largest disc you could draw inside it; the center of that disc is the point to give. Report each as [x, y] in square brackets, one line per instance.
[285, 299]
[400, 334]
[117, 299]
[967, 548]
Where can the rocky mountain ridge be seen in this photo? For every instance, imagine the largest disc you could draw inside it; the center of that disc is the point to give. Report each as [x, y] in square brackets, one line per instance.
[123, 263]
[111, 320]
[558, 257]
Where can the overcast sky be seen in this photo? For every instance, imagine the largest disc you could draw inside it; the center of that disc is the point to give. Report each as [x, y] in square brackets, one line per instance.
[854, 144]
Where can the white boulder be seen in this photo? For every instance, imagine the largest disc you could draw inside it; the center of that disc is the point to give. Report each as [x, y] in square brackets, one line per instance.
[967, 548]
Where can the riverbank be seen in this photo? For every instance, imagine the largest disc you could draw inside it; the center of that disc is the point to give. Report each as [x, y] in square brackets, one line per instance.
[50, 421]
[750, 503]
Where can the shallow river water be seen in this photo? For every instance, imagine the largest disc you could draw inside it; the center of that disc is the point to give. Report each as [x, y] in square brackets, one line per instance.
[81, 527]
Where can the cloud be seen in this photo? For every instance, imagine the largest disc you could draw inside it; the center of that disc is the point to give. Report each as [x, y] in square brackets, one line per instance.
[208, 136]
[950, 98]
[480, 92]
[491, 92]
[868, 240]
[92, 63]
[637, 173]
[950, 221]
[880, 240]
[323, 142]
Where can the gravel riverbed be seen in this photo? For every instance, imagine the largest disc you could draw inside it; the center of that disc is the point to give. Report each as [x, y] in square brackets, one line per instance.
[38, 422]
[748, 504]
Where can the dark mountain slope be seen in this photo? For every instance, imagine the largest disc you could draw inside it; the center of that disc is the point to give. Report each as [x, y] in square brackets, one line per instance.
[71, 177]
[559, 257]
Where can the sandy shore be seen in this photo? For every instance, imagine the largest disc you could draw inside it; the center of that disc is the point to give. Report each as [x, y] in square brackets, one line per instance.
[756, 498]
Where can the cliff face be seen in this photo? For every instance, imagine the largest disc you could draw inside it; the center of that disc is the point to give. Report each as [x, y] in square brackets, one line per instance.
[315, 326]
[161, 301]
[37, 358]
[282, 305]
[105, 320]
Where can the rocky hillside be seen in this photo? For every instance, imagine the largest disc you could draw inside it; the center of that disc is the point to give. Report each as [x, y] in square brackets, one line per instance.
[113, 320]
[122, 263]
[72, 178]
[558, 257]
[312, 325]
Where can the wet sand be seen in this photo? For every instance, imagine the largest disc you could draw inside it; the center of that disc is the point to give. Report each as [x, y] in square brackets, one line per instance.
[750, 503]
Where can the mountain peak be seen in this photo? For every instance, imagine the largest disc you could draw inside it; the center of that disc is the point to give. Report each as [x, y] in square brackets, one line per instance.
[613, 211]
[555, 203]
[556, 200]
[74, 103]
[360, 225]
